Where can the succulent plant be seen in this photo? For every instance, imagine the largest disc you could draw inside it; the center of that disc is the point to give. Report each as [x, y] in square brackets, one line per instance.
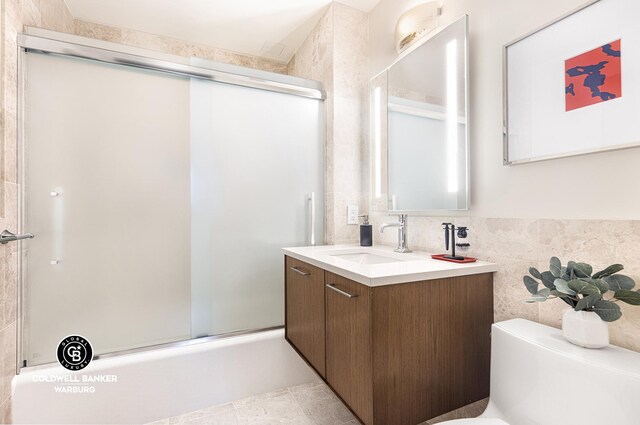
[583, 290]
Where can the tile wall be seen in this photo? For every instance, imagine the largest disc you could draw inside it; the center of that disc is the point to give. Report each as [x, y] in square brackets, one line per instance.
[53, 15]
[335, 53]
[158, 43]
[517, 244]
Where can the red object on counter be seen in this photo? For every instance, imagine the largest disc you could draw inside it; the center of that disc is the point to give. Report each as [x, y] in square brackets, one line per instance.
[451, 260]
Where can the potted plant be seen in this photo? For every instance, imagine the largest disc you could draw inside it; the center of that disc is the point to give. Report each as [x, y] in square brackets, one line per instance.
[593, 298]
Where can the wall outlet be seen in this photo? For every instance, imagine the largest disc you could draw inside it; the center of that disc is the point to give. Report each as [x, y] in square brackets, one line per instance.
[352, 214]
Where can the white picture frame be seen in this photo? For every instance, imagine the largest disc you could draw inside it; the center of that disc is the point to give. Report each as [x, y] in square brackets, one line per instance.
[537, 122]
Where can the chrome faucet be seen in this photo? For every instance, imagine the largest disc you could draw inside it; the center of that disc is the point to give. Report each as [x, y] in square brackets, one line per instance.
[402, 232]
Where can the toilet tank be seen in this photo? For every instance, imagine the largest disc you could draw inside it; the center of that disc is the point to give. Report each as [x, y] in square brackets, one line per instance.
[539, 378]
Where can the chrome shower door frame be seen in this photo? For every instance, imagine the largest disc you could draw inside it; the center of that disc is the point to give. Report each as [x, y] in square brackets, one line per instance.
[49, 42]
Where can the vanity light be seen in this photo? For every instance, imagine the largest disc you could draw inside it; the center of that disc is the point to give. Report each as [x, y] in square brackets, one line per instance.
[377, 140]
[452, 116]
[416, 23]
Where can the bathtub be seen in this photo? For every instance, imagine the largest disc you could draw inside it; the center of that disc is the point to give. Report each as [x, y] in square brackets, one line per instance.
[152, 385]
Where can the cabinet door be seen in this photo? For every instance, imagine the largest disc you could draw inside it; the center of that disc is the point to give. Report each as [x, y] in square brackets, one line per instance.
[349, 343]
[304, 318]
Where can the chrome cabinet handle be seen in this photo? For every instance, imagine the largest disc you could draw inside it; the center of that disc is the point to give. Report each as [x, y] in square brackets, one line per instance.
[312, 202]
[302, 272]
[6, 237]
[340, 291]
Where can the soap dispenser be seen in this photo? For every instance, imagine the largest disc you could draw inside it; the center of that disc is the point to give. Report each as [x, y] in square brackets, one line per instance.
[366, 233]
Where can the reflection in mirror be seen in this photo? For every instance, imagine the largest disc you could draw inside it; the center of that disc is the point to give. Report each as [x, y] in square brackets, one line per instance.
[419, 127]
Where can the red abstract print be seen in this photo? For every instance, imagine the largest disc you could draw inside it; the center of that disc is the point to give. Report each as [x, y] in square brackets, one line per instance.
[594, 77]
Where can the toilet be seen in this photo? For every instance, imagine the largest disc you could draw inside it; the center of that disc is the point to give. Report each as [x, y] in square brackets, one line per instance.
[539, 378]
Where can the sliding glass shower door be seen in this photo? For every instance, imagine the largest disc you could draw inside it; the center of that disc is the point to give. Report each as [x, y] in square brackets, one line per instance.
[107, 164]
[256, 158]
[159, 204]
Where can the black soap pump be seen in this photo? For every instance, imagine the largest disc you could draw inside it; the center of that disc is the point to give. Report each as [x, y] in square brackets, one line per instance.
[366, 232]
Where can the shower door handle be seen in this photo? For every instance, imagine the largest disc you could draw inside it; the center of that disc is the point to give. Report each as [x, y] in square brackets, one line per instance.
[312, 205]
[6, 237]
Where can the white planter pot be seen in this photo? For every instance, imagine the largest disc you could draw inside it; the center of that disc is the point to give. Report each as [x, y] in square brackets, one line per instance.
[585, 328]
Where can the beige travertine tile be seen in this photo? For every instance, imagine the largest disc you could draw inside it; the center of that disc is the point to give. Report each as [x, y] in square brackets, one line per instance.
[274, 407]
[291, 66]
[10, 268]
[346, 177]
[625, 332]
[599, 243]
[390, 236]
[625, 235]
[13, 13]
[345, 233]
[351, 37]
[589, 241]
[169, 45]
[10, 68]
[67, 20]
[5, 392]
[10, 169]
[205, 52]
[470, 411]
[270, 65]
[145, 40]
[181, 48]
[8, 357]
[97, 31]
[348, 122]
[503, 238]
[52, 12]
[551, 311]
[223, 414]
[430, 231]
[226, 56]
[5, 412]
[321, 44]
[30, 12]
[320, 405]
[7, 313]
[10, 192]
[509, 292]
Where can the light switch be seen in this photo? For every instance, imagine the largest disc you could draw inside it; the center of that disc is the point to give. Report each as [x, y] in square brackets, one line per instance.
[352, 214]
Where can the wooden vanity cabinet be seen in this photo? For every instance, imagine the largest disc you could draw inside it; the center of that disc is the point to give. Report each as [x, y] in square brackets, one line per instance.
[431, 347]
[405, 353]
[304, 311]
[348, 343]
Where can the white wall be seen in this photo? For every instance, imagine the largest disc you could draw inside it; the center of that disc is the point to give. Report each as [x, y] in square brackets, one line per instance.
[598, 186]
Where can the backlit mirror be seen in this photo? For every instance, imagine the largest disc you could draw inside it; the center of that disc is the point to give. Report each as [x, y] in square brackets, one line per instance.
[420, 132]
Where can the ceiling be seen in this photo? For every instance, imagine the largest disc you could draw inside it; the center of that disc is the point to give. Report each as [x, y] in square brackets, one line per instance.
[272, 29]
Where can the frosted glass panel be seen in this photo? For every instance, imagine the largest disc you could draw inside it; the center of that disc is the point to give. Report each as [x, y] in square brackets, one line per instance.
[111, 257]
[160, 205]
[256, 156]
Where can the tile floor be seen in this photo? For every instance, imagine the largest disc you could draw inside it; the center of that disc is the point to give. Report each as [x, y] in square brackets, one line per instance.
[308, 404]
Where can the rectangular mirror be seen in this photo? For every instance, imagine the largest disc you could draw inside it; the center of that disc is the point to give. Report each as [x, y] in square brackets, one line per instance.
[420, 131]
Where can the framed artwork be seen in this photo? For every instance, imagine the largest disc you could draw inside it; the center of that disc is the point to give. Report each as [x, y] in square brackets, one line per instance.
[573, 86]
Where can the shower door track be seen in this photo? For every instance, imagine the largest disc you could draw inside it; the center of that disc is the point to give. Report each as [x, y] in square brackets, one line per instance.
[31, 43]
[246, 78]
[174, 344]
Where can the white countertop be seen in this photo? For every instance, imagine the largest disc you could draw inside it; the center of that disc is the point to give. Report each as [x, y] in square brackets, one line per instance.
[411, 267]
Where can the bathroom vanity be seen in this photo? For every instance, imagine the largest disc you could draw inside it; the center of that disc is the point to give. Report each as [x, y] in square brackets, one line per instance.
[400, 338]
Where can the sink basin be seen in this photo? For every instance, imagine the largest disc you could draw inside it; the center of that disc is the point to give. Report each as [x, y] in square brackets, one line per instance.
[366, 258]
